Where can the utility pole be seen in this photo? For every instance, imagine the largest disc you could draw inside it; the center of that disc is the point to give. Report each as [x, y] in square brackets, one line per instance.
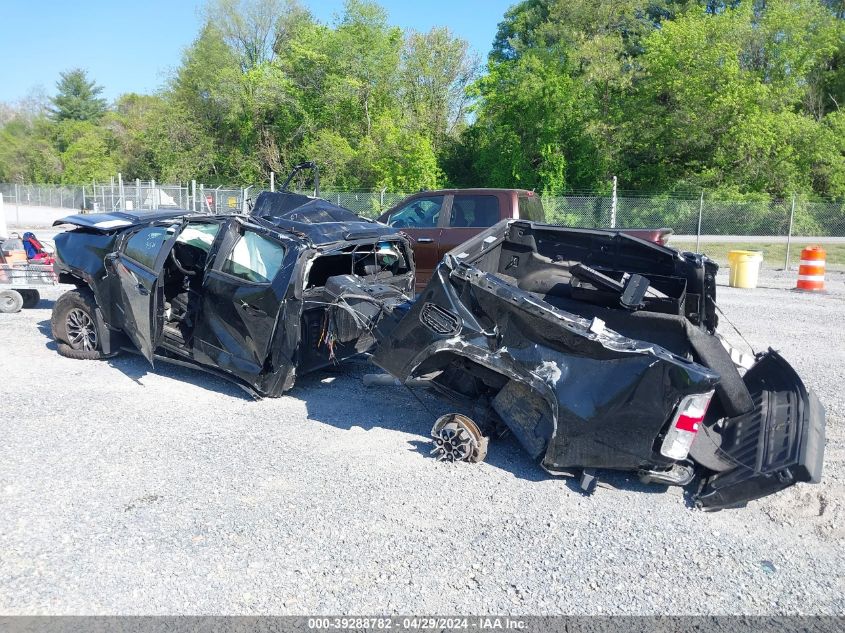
[272, 181]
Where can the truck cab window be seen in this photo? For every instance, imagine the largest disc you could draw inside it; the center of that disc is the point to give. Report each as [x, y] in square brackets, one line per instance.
[254, 258]
[144, 246]
[419, 213]
[474, 211]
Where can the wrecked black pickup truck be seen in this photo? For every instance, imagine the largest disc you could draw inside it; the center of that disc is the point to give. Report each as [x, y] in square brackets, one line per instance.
[296, 285]
[598, 350]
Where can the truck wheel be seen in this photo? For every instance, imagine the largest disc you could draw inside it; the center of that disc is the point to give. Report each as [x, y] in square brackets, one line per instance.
[75, 326]
[30, 298]
[11, 301]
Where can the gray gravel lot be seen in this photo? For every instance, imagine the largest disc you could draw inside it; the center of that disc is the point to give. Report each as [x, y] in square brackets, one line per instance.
[130, 490]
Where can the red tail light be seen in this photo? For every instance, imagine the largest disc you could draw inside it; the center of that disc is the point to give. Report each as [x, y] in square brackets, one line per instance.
[685, 425]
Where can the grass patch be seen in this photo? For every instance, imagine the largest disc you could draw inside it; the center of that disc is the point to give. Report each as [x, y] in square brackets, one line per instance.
[773, 252]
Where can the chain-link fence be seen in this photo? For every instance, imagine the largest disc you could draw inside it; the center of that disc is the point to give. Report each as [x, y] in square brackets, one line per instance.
[693, 217]
[693, 220]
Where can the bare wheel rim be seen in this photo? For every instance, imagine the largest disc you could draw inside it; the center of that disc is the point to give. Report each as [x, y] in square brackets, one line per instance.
[458, 439]
[7, 301]
[81, 332]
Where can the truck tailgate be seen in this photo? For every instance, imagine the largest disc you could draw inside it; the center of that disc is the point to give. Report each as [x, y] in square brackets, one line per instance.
[774, 446]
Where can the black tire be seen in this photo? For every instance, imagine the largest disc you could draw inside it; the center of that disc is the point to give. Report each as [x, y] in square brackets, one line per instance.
[30, 298]
[74, 325]
[11, 301]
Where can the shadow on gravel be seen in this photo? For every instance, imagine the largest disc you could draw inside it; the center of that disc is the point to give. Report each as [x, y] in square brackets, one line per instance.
[47, 331]
[135, 367]
[353, 405]
[503, 453]
[397, 409]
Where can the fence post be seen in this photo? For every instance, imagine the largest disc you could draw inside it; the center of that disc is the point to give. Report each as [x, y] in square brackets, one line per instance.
[137, 193]
[4, 232]
[272, 181]
[83, 199]
[789, 234]
[17, 205]
[194, 196]
[613, 206]
[244, 208]
[698, 230]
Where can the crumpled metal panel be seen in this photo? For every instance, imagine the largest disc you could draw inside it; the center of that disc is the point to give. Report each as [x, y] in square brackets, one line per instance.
[608, 396]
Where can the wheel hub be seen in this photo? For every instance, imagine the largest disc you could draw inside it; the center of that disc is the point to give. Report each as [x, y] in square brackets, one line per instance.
[458, 439]
[81, 332]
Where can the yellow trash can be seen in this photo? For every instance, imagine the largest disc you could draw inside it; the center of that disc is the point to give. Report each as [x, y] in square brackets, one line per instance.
[745, 267]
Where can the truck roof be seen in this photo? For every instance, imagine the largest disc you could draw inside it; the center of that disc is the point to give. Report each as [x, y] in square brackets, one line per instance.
[116, 220]
[317, 219]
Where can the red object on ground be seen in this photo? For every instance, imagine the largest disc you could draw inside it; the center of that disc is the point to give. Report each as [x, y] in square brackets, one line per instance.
[811, 270]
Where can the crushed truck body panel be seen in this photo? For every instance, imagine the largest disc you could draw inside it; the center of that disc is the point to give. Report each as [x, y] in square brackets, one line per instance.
[259, 299]
[599, 350]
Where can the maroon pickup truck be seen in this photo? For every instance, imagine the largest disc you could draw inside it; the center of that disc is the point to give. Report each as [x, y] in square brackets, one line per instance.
[438, 221]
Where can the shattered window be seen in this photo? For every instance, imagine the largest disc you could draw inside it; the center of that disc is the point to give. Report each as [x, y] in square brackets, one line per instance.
[254, 258]
[420, 213]
[144, 246]
[199, 234]
[472, 210]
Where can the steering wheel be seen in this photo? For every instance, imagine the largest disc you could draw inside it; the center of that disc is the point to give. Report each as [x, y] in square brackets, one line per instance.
[179, 266]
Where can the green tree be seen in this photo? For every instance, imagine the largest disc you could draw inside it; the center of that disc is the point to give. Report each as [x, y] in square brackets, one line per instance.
[437, 69]
[720, 104]
[77, 98]
[90, 152]
[365, 56]
[27, 153]
[248, 26]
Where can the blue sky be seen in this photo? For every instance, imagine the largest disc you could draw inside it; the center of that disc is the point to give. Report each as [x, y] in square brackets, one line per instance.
[133, 46]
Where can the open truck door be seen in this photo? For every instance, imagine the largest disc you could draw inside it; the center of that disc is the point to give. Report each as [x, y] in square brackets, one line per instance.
[138, 264]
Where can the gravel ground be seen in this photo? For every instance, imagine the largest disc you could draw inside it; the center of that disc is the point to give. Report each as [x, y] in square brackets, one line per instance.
[130, 490]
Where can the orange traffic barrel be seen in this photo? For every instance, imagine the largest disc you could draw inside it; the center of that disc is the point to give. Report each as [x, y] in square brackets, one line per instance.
[811, 270]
